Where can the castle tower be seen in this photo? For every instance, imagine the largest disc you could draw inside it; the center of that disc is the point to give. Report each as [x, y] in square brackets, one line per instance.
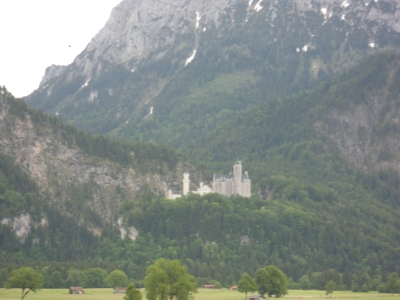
[237, 178]
[186, 183]
[246, 186]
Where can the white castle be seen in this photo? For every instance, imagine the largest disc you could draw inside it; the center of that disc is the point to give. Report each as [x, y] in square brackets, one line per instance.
[236, 184]
[202, 190]
[227, 185]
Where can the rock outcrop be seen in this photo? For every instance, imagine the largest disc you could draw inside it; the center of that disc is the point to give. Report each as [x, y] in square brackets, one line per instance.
[57, 166]
[138, 27]
[50, 73]
[127, 80]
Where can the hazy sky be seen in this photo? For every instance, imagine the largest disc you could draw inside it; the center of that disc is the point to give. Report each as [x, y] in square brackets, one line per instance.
[35, 34]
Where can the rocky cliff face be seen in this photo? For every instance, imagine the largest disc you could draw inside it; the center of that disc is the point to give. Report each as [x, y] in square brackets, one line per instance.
[139, 27]
[367, 131]
[155, 63]
[50, 73]
[136, 28]
[60, 169]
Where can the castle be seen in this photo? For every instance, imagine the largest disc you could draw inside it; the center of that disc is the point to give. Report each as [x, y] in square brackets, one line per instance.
[236, 184]
[202, 190]
[227, 185]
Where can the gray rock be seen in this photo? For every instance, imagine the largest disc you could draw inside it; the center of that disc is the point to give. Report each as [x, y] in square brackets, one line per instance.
[50, 73]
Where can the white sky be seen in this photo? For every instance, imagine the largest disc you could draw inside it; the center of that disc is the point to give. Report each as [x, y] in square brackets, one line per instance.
[35, 34]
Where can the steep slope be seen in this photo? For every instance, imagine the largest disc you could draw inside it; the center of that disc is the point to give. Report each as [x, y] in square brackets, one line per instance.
[323, 207]
[318, 209]
[348, 124]
[31, 227]
[76, 176]
[171, 71]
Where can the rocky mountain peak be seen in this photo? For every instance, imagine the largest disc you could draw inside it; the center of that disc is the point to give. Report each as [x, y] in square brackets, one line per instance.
[50, 73]
[132, 71]
[137, 27]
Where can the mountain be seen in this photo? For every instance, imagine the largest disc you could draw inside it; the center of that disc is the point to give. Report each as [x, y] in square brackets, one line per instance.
[319, 213]
[51, 172]
[352, 117]
[171, 71]
[304, 93]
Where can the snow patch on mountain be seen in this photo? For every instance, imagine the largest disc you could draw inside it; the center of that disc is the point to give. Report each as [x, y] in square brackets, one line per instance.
[190, 59]
[258, 6]
[345, 4]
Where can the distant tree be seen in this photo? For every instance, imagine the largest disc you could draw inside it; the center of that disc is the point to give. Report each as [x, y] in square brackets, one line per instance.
[393, 283]
[246, 284]
[327, 276]
[169, 279]
[365, 279]
[354, 286]
[278, 282]
[3, 276]
[304, 282]
[26, 279]
[76, 278]
[364, 288]
[52, 279]
[217, 284]
[117, 278]
[376, 282]
[330, 287]
[262, 279]
[347, 277]
[132, 293]
[96, 277]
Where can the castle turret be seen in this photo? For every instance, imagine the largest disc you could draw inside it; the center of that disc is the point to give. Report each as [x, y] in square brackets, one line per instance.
[237, 178]
[186, 184]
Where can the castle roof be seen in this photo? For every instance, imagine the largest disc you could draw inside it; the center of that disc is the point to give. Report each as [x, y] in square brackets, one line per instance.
[223, 176]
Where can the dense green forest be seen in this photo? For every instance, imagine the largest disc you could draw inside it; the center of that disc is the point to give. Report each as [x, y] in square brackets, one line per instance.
[219, 238]
[66, 240]
[144, 157]
[313, 215]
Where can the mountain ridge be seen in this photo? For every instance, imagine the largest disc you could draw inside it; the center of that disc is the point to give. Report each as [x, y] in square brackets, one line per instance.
[286, 46]
[65, 162]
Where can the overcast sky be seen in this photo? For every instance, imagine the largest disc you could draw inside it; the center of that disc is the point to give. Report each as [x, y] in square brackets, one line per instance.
[35, 34]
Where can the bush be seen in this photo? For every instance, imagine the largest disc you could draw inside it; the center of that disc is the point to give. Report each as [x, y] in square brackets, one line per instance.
[217, 284]
[382, 288]
[364, 288]
[355, 287]
[294, 286]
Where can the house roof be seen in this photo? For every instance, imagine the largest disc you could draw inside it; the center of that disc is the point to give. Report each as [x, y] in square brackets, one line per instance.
[256, 296]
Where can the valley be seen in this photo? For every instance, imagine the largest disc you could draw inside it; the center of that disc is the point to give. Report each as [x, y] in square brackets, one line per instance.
[303, 93]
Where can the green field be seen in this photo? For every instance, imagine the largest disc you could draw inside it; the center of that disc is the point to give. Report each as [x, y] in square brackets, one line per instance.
[223, 294]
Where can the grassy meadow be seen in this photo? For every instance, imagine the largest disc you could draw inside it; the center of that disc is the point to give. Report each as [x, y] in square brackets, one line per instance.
[223, 294]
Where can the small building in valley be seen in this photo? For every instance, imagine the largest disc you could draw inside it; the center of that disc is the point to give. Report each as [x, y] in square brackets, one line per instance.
[77, 290]
[120, 290]
[208, 286]
[256, 297]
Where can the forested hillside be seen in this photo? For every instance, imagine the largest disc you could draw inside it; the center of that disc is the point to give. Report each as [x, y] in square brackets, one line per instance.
[31, 227]
[317, 211]
[60, 187]
[271, 86]
[346, 126]
[140, 86]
